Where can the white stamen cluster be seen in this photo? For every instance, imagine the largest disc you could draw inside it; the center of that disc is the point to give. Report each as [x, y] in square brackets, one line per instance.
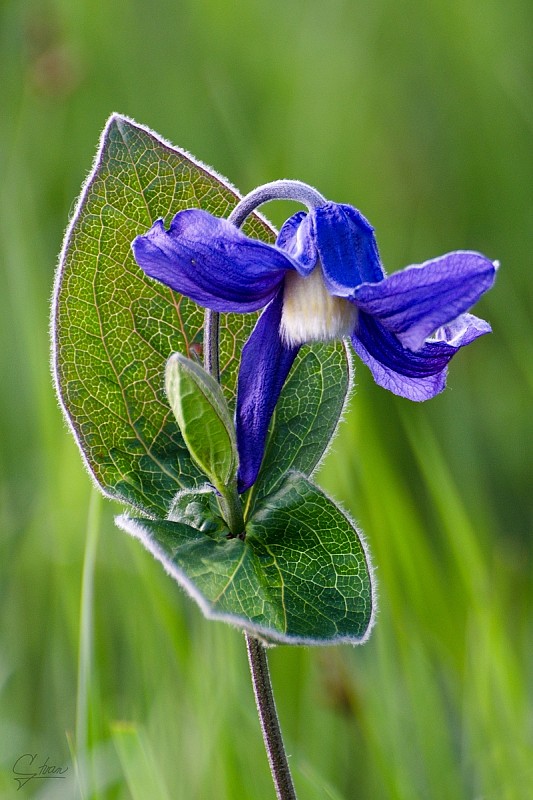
[311, 313]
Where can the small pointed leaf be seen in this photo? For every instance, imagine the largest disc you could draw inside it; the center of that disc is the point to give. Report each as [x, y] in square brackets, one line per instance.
[204, 419]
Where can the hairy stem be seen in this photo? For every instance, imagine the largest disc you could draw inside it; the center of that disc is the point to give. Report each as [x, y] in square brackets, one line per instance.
[257, 657]
[276, 190]
[266, 708]
[230, 507]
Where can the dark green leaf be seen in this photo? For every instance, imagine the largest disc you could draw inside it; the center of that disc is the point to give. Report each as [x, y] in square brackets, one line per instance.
[301, 576]
[306, 415]
[114, 328]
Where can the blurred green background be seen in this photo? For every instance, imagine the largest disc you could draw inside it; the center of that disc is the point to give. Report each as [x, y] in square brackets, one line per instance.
[421, 115]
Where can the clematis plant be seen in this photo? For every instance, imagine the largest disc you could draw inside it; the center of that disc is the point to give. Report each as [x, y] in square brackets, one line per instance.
[214, 462]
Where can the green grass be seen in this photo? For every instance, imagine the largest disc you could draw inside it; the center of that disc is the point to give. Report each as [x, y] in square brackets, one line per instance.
[420, 115]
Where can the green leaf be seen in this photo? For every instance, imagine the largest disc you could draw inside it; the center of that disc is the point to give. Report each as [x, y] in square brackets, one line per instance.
[113, 328]
[204, 419]
[306, 416]
[301, 575]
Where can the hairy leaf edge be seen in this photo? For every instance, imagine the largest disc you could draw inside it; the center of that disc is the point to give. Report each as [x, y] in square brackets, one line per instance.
[114, 119]
[350, 391]
[134, 528]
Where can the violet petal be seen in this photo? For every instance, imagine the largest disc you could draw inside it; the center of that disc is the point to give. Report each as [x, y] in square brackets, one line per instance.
[297, 239]
[347, 248]
[209, 260]
[265, 364]
[416, 375]
[416, 301]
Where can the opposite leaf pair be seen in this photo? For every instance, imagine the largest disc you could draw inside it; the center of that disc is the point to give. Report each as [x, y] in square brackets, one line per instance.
[294, 570]
[301, 575]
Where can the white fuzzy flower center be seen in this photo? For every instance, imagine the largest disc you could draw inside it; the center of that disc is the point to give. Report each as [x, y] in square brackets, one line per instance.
[311, 314]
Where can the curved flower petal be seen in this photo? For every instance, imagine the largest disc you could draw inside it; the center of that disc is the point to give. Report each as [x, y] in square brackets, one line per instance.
[347, 248]
[209, 260]
[417, 376]
[265, 364]
[297, 239]
[416, 301]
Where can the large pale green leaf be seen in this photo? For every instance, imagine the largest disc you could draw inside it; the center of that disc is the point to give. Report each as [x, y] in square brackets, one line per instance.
[114, 328]
[306, 415]
[301, 575]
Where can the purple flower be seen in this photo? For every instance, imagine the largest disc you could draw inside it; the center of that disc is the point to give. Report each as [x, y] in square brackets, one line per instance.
[322, 280]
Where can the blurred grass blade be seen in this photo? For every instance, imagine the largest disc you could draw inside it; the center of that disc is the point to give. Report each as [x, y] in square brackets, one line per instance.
[143, 777]
[85, 647]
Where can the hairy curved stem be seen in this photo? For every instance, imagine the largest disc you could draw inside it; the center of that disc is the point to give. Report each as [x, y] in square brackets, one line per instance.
[276, 190]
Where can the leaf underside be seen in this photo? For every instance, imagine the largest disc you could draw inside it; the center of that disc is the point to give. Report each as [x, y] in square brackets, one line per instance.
[114, 328]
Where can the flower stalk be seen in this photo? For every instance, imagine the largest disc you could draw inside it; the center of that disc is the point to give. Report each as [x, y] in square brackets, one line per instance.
[276, 190]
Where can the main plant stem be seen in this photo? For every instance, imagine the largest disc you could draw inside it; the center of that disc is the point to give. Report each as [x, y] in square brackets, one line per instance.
[266, 708]
[257, 657]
